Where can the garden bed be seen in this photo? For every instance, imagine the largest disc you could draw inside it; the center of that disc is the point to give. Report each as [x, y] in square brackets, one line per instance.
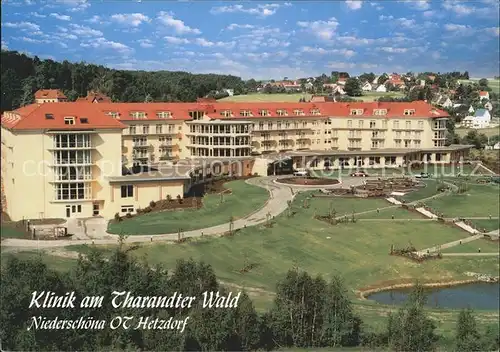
[309, 181]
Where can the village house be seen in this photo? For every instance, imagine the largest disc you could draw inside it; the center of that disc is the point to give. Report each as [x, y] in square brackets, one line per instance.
[483, 95]
[49, 96]
[367, 87]
[481, 119]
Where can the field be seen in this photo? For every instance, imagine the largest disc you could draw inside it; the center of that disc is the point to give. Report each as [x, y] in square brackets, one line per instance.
[489, 132]
[262, 97]
[494, 84]
[243, 200]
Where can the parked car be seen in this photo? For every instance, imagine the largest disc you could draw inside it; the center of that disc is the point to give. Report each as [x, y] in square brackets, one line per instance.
[303, 173]
[422, 175]
[359, 174]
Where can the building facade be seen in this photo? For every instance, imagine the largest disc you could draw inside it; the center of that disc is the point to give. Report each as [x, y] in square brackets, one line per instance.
[78, 159]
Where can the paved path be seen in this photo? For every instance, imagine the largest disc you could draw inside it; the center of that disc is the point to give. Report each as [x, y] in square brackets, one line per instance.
[471, 254]
[276, 204]
[450, 244]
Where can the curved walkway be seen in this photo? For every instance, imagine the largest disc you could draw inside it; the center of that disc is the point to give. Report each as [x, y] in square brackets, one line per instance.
[279, 195]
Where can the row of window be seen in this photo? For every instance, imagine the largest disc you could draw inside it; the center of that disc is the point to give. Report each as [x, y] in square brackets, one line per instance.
[219, 129]
[72, 140]
[159, 129]
[73, 191]
[395, 124]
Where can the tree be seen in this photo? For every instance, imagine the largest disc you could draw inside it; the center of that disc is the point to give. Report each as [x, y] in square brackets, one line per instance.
[353, 87]
[479, 140]
[410, 329]
[383, 78]
[467, 337]
[483, 82]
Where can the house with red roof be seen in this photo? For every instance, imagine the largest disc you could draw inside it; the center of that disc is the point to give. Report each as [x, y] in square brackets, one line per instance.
[49, 96]
[94, 97]
[484, 95]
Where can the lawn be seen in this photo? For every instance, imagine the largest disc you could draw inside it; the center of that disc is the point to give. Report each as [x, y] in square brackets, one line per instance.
[478, 201]
[494, 84]
[53, 262]
[472, 247]
[488, 225]
[10, 231]
[372, 96]
[244, 200]
[489, 132]
[358, 252]
[262, 97]
[385, 214]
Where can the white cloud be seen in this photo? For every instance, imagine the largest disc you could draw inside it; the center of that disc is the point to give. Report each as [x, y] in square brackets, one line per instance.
[208, 44]
[75, 5]
[132, 19]
[421, 5]
[145, 43]
[429, 13]
[340, 65]
[178, 26]
[405, 22]
[262, 10]
[36, 14]
[353, 4]
[94, 19]
[320, 51]
[31, 40]
[84, 31]
[234, 26]
[4, 45]
[104, 44]
[392, 50]
[61, 17]
[22, 25]
[450, 27]
[385, 18]
[436, 55]
[493, 30]
[460, 9]
[322, 29]
[369, 66]
[176, 40]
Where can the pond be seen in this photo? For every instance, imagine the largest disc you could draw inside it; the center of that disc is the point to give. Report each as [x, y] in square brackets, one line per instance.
[480, 296]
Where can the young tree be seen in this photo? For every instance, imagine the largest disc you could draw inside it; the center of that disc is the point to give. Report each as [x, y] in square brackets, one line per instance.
[353, 87]
[410, 329]
[467, 337]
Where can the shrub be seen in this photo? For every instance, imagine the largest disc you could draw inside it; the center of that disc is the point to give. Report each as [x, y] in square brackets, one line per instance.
[139, 211]
[152, 204]
[179, 199]
[117, 217]
[169, 197]
[147, 210]
[128, 216]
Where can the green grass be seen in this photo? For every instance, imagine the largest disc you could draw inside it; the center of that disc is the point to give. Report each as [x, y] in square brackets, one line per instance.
[472, 247]
[494, 84]
[53, 262]
[478, 201]
[10, 231]
[262, 97]
[244, 200]
[399, 214]
[372, 96]
[489, 132]
[488, 225]
[424, 192]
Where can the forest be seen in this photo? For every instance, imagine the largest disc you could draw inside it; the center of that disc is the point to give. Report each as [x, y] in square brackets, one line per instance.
[22, 76]
[308, 312]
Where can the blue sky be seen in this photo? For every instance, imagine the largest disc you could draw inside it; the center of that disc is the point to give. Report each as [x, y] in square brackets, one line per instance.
[260, 39]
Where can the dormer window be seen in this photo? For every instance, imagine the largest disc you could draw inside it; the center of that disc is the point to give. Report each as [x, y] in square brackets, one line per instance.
[163, 114]
[69, 120]
[49, 116]
[356, 111]
[281, 112]
[380, 112]
[298, 112]
[84, 120]
[245, 113]
[226, 113]
[113, 114]
[315, 112]
[264, 113]
[409, 112]
[138, 115]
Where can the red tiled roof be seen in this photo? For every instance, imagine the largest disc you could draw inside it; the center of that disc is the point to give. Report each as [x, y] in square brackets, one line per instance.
[483, 93]
[91, 96]
[49, 94]
[34, 117]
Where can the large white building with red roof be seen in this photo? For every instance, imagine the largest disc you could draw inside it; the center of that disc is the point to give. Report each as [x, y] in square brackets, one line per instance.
[65, 159]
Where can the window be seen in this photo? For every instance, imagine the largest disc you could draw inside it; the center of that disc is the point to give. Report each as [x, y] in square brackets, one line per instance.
[264, 112]
[384, 124]
[408, 125]
[159, 129]
[73, 191]
[409, 112]
[113, 114]
[49, 116]
[245, 113]
[356, 111]
[69, 120]
[407, 144]
[127, 208]
[226, 113]
[373, 124]
[127, 191]
[145, 129]
[298, 112]
[132, 130]
[281, 112]
[84, 120]
[163, 114]
[395, 124]
[380, 112]
[315, 112]
[349, 123]
[420, 125]
[360, 123]
[138, 115]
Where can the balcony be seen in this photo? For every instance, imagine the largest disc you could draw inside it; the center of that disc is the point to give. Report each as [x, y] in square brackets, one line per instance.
[141, 145]
[80, 162]
[167, 157]
[72, 146]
